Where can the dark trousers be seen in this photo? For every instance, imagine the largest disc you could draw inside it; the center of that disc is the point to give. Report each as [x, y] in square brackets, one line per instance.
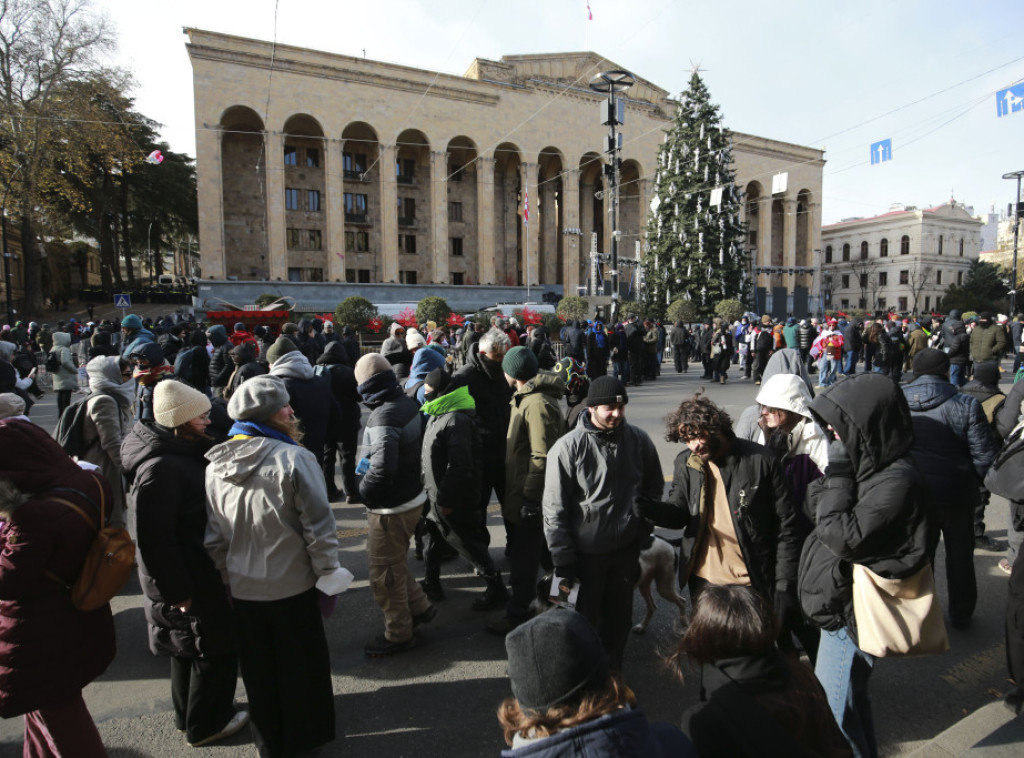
[956, 524]
[760, 363]
[287, 673]
[681, 356]
[979, 510]
[203, 693]
[1015, 625]
[465, 534]
[348, 447]
[63, 400]
[525, 560]
[637, 360]
[606, 597]
[67, 729]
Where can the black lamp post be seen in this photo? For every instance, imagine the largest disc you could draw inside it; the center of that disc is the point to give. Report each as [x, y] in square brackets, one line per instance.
[612, 112]
[8, 289]
[1017, 207]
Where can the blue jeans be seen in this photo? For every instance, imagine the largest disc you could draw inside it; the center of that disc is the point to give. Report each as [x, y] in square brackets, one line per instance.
[956, 375]
[843, 671]
[850, 362]
[827, 370]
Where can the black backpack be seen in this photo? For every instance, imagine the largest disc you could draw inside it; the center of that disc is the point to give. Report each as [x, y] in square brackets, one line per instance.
[70, 429]
[52, 363]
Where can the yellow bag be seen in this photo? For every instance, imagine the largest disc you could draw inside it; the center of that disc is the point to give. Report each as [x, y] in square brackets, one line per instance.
[898, 617]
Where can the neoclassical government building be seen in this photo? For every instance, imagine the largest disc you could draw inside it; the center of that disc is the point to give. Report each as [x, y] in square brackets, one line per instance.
[318, 167]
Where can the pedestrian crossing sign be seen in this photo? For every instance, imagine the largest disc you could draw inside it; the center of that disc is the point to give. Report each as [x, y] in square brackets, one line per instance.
[122, 301]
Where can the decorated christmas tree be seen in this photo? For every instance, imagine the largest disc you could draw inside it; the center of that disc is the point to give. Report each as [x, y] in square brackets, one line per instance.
[694, 245]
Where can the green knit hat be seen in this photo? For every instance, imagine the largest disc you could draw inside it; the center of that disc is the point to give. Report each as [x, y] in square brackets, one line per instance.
[282, 346]
[520, 363]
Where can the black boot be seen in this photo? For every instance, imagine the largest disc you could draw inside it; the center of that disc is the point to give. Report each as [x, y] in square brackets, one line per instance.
[494, 597]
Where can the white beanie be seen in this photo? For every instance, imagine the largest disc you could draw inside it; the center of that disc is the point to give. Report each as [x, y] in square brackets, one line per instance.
[414, 340]
[175, 403]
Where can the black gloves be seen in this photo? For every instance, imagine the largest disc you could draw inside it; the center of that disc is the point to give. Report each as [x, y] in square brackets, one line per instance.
[566, 573]
[787, 609]
[530, 512]
[648, 508]
[839, 463]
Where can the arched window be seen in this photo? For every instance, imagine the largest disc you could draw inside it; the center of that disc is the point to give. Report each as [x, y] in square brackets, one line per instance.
[828, 254]
[846, 251]
[904, 245]
[883, 251]
[864, 250]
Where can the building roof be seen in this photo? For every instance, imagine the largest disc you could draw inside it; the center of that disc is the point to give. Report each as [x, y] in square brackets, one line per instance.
[951, 209]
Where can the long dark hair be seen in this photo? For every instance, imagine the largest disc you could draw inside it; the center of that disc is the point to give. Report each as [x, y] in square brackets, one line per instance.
[730, 621]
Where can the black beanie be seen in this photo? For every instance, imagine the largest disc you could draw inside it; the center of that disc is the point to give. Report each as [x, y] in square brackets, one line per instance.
[987, 373]
[931, 361]
[438, 380]
[553, 657]
[606, 390]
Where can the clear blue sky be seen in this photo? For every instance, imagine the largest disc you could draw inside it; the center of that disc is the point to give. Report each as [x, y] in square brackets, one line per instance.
[803, 71]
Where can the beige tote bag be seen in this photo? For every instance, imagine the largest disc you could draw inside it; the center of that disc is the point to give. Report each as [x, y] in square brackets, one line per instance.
[898, 617]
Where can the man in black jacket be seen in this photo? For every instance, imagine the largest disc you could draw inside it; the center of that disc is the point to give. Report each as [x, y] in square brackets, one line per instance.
[730, 497]
[680, 341]
[637, 350]
[953, 447]
[221, 364]
[334, 363]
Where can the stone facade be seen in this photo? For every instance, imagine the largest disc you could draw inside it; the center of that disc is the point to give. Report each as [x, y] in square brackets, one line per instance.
[902, 260]
[321, 167]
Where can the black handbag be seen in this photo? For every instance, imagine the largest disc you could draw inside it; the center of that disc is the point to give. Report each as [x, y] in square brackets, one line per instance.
[1006, 475]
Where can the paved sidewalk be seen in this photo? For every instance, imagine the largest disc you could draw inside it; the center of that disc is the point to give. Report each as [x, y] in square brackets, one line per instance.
[989, 732]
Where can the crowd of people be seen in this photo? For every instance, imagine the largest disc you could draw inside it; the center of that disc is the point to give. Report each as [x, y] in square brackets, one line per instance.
[220, 450]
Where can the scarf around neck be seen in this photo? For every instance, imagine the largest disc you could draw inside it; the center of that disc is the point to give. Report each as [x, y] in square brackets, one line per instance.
[244, 429]
[456, 400]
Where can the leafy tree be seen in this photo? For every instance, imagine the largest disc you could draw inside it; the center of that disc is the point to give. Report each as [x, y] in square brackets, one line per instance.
[682, 310]
[573, 306]
[46, 46]
[695, 247]
[731, 310]
[355, 311]
[984, 289]
[433, 308]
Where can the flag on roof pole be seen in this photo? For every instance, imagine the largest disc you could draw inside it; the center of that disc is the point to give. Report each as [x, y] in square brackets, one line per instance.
[526, 206]
[590, 13]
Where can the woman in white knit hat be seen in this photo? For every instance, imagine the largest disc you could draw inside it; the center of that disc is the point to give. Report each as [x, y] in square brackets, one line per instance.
[187, 608]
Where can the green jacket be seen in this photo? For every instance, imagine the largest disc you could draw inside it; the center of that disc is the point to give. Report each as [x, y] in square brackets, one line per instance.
[987, 343]
[535, 425]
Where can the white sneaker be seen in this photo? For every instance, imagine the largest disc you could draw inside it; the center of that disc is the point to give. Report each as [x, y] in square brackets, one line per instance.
[240, 719]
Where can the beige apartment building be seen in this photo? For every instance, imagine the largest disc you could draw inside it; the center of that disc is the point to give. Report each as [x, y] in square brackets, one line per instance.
[904, 259]
[318, 167]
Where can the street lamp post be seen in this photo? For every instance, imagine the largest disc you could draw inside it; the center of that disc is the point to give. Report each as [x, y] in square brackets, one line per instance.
[1016, 230]
[8, 289]
[611, 83]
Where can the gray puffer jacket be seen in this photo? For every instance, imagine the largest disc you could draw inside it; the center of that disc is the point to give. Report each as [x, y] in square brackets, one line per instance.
[108, 422]
[592, 481]
[66, 377]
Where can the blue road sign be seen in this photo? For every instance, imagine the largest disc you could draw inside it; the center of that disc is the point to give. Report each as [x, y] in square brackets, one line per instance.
[881, 151]
[1010, 100]
[122, 300]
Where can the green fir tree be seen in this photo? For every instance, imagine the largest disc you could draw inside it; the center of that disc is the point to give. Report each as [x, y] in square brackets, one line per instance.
[694, 235]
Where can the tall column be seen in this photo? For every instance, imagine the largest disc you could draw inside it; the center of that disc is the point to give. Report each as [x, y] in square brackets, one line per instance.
[210, 188]
[531, 241]
[388, 214]
[277, 250]
[814, 235]
[485, 221]
[439, 215]
[334, 207]
[764, 236]
[548, 262]
[571, 220]
[789, 239]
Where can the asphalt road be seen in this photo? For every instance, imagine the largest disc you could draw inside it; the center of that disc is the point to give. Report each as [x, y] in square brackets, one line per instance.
[440, 698]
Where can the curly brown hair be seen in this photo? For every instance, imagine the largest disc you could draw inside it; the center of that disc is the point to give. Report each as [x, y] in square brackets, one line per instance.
[697, 417]
[613, 696]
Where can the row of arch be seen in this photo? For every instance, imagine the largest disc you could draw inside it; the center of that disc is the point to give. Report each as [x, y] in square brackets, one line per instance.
[478, 239]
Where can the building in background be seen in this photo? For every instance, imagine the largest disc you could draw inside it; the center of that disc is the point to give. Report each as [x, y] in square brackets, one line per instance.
[322, 168]
[902, 260]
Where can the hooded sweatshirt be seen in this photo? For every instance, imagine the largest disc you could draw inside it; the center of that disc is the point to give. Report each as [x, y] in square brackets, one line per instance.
[66, 377]
[270, 529]
[785, 361]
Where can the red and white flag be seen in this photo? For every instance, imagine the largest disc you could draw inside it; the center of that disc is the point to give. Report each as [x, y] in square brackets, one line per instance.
[590, 13]
[526, 206]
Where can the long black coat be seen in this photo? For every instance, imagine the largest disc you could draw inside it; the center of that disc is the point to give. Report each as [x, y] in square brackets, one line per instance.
[169, 495]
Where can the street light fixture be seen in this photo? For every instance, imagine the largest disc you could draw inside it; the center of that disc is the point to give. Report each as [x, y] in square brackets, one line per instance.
[1016, 229]
[612, 115]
